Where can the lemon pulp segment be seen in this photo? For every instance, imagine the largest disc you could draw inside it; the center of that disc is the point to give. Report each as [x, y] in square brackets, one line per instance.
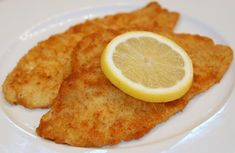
[149, 62]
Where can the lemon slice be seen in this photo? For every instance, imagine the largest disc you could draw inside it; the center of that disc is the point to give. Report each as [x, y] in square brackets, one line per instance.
[147, 66]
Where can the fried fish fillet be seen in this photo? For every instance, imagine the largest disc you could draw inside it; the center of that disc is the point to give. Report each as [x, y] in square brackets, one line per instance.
[36, 79]
[89, 111]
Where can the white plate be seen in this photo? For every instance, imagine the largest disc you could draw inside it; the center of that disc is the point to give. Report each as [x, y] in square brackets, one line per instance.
[206, 125]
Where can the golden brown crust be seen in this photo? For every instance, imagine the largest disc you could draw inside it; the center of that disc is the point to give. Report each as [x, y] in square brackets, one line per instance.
[36, 79]
[89, 111]
[152, 15]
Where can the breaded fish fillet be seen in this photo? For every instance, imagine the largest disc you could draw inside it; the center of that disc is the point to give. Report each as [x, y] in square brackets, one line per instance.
[89, 111]
[36, 79]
